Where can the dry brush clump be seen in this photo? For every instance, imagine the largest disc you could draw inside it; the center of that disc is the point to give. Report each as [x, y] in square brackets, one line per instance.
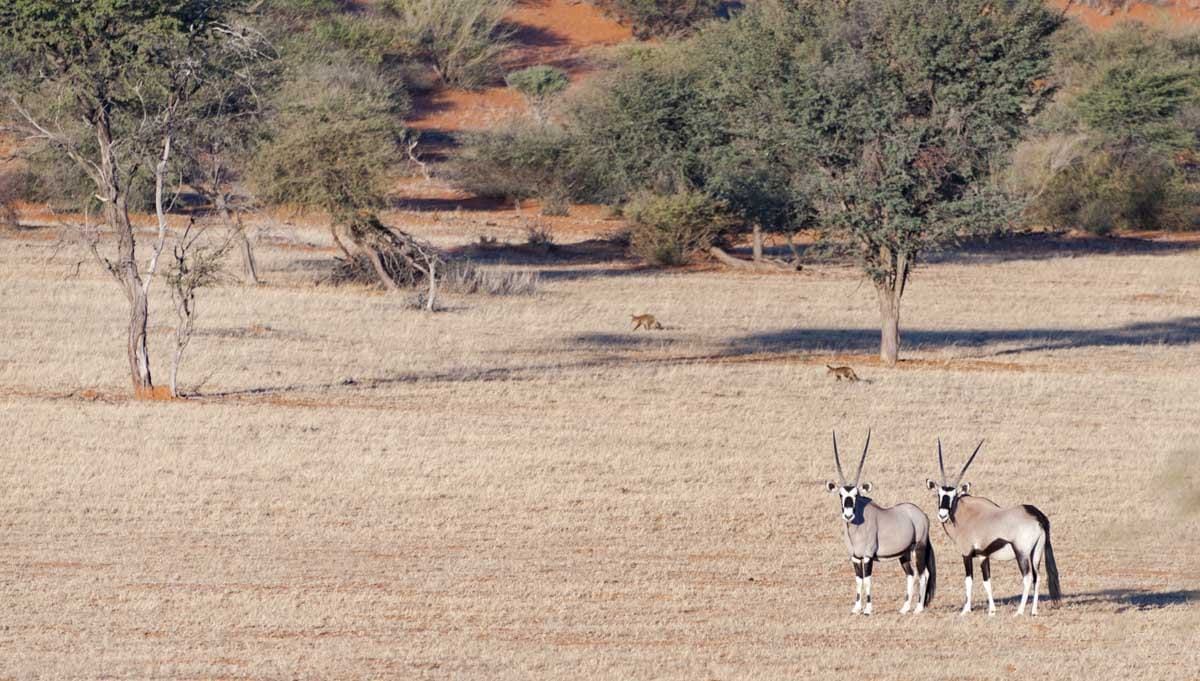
[466, 277]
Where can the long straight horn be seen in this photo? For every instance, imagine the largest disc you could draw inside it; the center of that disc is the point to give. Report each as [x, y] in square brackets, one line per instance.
[941, 465]
[838, 461]
[968, 464]
[858, 473]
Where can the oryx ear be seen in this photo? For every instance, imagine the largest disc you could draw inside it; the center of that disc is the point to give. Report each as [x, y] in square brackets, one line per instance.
[932, 484]
[866, 487]
[830, 485]
[966, 488]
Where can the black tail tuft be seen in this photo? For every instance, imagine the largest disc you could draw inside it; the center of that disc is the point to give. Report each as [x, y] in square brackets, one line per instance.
[931, 565]
[1051, 566]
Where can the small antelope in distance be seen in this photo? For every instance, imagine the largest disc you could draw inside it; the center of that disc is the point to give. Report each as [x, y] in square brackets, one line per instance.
[843, 372]
[645, 321]
[981, 528]
[873, 533]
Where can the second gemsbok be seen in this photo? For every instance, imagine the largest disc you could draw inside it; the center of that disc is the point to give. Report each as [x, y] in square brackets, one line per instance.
[982, 529]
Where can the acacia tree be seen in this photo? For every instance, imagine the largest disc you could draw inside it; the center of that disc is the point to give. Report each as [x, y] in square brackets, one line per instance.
[120, 73]
[906, 109]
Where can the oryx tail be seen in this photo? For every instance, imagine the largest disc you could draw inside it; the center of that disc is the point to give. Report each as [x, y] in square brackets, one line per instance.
[1051, 566]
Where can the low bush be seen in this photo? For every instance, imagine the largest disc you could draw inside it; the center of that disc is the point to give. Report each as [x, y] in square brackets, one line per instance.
[670, 229]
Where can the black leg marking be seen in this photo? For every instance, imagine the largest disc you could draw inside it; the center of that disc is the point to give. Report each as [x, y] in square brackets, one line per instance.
[867, 565]
[985, 567]
[969, 565]
[858, 570]
[906, 565]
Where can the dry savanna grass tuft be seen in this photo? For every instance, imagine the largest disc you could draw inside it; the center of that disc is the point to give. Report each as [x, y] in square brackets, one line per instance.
[520, 487]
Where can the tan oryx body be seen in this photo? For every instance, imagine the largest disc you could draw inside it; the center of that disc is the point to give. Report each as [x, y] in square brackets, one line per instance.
[873, 533]
[981, 528]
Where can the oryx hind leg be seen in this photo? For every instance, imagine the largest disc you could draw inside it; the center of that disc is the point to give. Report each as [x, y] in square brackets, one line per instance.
[1027, 576]
[909, 577]
[985, 568]
[1038, 549]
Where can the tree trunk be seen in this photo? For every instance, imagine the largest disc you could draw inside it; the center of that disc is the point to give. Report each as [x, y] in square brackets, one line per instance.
[889, 316]
[758, 242]
[116, 213]
[249, 266]
[890, 290]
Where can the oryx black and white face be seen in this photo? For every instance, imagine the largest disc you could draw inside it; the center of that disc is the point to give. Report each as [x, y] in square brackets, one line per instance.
[849, 492]
[947, 495]
[848, 496]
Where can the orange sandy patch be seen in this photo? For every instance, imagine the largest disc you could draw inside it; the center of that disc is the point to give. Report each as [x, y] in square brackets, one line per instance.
[1176, 15]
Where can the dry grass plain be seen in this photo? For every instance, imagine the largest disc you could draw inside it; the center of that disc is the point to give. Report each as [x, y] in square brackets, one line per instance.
[521, 488]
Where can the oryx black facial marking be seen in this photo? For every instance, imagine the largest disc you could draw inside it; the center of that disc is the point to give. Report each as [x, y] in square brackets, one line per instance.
[982, 529]
[875, 533]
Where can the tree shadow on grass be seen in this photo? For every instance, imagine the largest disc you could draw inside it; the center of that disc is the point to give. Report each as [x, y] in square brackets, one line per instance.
[1172, 332]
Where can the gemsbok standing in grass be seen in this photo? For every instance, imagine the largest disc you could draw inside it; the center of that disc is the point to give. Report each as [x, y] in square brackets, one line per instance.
[874, 533]
[980, 528]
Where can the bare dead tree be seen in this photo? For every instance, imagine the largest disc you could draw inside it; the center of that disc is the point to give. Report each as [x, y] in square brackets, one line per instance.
[195, 266]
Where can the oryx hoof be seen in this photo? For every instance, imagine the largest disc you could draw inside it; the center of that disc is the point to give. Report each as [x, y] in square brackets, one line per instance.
[867, 610]
[920, 609]
[856, 609]
[904, 610]
[991, 611]
[1018, 613]
[965, 611]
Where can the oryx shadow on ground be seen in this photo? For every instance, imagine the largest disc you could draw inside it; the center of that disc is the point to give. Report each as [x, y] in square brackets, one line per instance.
[1124, 599]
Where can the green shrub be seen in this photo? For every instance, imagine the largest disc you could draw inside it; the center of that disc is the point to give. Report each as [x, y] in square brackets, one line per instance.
[333, 144]
[670, 229]
[518, 161]
[461, 39]
[1104, 193]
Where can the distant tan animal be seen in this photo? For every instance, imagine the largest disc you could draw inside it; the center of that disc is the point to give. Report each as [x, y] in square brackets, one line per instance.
[843, 372]
[645, 321]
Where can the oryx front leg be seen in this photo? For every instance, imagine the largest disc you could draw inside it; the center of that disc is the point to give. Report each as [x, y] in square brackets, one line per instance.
[909, 577]
[866, 567]
[985, 567]
[969, 567]
[858, 586]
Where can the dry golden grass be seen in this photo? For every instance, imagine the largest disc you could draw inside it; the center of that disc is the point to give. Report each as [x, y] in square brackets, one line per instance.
[522, 488]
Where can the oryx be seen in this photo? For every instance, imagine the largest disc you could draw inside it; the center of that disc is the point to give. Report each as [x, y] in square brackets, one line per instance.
[981, 528]
[873, 533]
